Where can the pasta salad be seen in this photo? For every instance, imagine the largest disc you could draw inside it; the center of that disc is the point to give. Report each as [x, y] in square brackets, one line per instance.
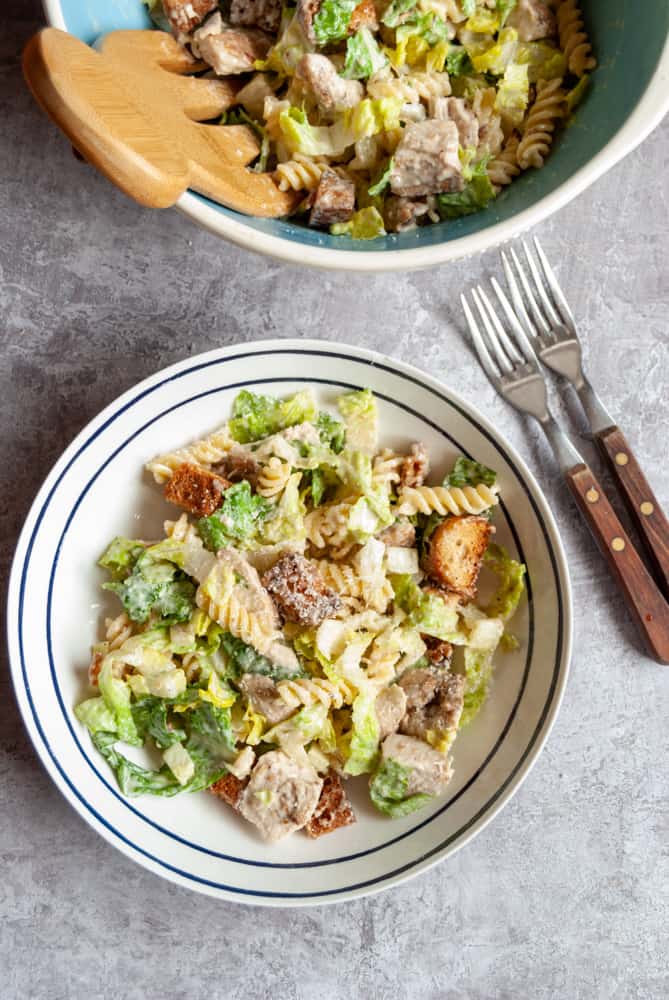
[313, 614]
[383, 115]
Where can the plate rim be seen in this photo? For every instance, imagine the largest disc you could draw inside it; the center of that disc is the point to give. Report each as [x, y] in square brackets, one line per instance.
[132, 395]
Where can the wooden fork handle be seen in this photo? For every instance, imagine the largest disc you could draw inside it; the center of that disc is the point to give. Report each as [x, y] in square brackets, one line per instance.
[640, 499]
[647, 605]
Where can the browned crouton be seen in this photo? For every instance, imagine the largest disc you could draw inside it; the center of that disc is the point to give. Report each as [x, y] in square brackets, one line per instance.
[415, 467]
[229, 789]
[196, 490]
[299, 591]
[363, 16]
[184, 15]
[455, 553]
[333, 809]
[438, 652]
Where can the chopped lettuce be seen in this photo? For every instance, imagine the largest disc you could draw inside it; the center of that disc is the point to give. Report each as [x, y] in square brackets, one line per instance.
[477, 194]
[154, 585]
[513, 93]
[238, 518]
[255, 416]
[512, 582]
[364, 744]
[543, 60]
[388, 790]
[96, 716]
[397, 11]
[120, 556]
[287, 521]
[332, 432]
[243, 659]
[332, 20]
[180, 763]
[363, 56]
[135, 780]
[493, 56]
[478, 673]
[365, 224]
[577, 93]
[117, 697]
[367, 118]
[383, 179]
[467, 472]
[291, 45]
[504, 8]
[238, 116]
[426, 611]
[483, 22]
[457, 61]
[359, 410]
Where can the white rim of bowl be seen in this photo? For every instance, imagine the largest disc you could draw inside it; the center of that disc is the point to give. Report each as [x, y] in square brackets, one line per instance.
[647, 115]
[253, 347]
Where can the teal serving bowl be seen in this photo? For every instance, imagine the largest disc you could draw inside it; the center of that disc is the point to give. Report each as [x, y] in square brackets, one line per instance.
[628, 97]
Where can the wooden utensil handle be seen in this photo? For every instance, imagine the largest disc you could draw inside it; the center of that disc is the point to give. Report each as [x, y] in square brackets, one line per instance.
[644, 600]
[640, 499]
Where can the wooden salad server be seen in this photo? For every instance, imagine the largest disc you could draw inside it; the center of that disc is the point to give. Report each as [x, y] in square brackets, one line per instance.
[132, 110]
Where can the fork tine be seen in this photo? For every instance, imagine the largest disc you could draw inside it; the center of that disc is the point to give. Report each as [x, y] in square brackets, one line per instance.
[502, 360]
[537, 314]
[547, 304]
[521, 337]
[481, 349]
[507, 343]
[554, 286]
[517, 298]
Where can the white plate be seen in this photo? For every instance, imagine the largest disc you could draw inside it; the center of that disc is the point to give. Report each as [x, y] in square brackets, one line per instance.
[97, 490]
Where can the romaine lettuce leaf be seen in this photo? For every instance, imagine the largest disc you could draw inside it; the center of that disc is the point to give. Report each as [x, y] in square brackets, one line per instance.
[426, 611]
[150, 718]
[96, 716]
[243, 659]
[369, 117]
[180, 763]
[154, 585]
[512, 582]
[255, 416]
[359, 410]
[287, 521]
[467, 472]
[134, 780]
[504, 8]
[120, 556]
[477, 194]
[332, 20]
[457, 62]
[364, 744]
[332, 432]
[513, 92]
[363, 56]
[478, 672]
[493, 57]
[365, 224]
[383, 179]
[238, 519]
[388, 790]
[397, 11]
[117, 696]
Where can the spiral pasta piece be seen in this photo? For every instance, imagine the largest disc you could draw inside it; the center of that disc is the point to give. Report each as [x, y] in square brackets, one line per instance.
[574, 40]
[504, 167]
[273, 477]
[357, 594]
[205, 453]
[181, 530]
[311, 691]
[548, 108]
[447, 499]
[328, 525]
[386, 470]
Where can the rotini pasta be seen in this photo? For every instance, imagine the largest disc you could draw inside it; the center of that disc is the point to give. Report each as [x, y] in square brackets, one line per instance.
[548, 108]
[573, 38]
[205, 453]
[504, 167]
[447, 500]
[307, 614]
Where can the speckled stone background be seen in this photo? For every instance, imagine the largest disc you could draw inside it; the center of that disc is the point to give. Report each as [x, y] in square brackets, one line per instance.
[566, 893]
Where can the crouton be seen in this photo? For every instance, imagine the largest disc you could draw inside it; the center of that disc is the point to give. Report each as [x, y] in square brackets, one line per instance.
[415, 467]
[184, 15]
[438, 652]
[333, 810]
[299, 591]
[363, 16]
[455, 553]
[196, 490]
[229, 789]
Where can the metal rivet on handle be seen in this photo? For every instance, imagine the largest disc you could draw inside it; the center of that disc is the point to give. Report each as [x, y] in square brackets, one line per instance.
[592, 496]
[622, 458]
[646, 508]
[618, 544]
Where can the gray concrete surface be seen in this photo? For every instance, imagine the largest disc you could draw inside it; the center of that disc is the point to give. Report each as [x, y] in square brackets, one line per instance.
[566, 894]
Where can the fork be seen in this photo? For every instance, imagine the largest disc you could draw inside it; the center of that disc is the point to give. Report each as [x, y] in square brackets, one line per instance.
[510, 362]
[551, 328]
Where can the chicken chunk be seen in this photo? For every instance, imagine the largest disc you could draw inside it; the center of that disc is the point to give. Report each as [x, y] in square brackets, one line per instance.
[264, 697]
[300, 592]
[401, 214]
[237, 466]
[281, 795]
[265, 14]
[229, 788]
[455, 109]
[390, 706]
[533, 20]
[401, 534]
[434, 701]
[334, 200]
[229, 51]
[455, 553]
[185, 15]
[415, 467]
[426, 160]
[333, 810]
[331, 91]
[306, 12]
[430, 771]
[196, 490]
